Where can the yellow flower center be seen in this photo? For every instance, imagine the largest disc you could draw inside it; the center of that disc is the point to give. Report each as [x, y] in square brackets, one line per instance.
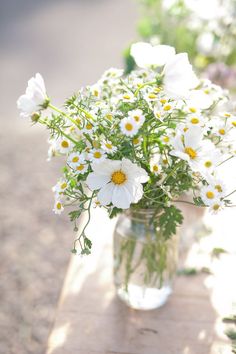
[109, 116]
[192, 109]
[97, 155]
[190, 152]
[65, 144]
[234, 123]
[207, 91]
[96, 93]
[58, 206]
[128, 126]
[222, 131]
[109, 146]
[166, 139]
[63, 185]
[137, 118]
[118, 177]
[185, 129]
[210, 195]
[219, 188]
[167, 108]
[80, 167]
[89, 126]
[194, 120]
[227, 115]
[135, 141]
[157, 89]
[163, 101]
[78, 120]
[155, 168]
[126, 97]
[208, 164]
[216, 207]
[152, 96]
[75, 159]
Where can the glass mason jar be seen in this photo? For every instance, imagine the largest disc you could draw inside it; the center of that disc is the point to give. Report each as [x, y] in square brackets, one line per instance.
[144, 262]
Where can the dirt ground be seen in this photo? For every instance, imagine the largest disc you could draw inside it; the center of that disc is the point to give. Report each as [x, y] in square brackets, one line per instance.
[70, 43]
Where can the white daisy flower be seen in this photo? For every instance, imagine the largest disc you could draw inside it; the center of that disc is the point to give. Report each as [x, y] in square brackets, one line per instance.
[129, 126]
[127, 97]
[146, 55]
[96, 155]
[95, 90]
[137, 115]
[88, 128]
[109, 147]
[162, 108]
[209, 161]
[81, 168]
[136, 141]
[118, 182]
[194, 119]
[60, 187]
[216, 206]
[75, 158]
[155, 165]
[35, 97]
[151, 96]
[209, 194]
[222, 130]
[58, 207]
[63, 145]
[218, 185]
[179, 77]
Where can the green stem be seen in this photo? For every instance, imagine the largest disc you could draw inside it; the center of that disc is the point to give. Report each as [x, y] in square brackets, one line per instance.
[63, 113]
[58, 130]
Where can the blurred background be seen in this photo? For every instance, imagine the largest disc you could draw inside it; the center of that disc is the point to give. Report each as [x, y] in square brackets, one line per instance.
[71, 43]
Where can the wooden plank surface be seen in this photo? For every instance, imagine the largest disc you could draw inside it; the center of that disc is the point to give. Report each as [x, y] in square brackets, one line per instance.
[91, 319]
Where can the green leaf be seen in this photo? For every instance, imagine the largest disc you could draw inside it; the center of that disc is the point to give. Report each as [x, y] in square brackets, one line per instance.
[87, 243]
[114, 212]
[75, 214]
[169, 220]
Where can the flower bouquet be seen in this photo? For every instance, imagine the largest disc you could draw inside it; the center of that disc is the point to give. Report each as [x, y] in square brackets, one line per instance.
[132, 145]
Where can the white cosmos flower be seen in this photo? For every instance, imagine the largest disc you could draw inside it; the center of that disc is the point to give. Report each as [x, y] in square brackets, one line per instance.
[118, 182]
[35, 97]
[199, 99]
[146, 55]
[96, 155]
[190, 146]
[129, 126]
[137, 115]
[179, 77]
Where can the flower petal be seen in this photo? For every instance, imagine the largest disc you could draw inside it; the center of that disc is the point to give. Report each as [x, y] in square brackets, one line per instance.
[121, 198]
[95, 181]
[105, 194]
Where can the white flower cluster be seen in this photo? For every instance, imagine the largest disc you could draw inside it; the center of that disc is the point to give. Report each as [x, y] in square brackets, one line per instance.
[143, 138]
